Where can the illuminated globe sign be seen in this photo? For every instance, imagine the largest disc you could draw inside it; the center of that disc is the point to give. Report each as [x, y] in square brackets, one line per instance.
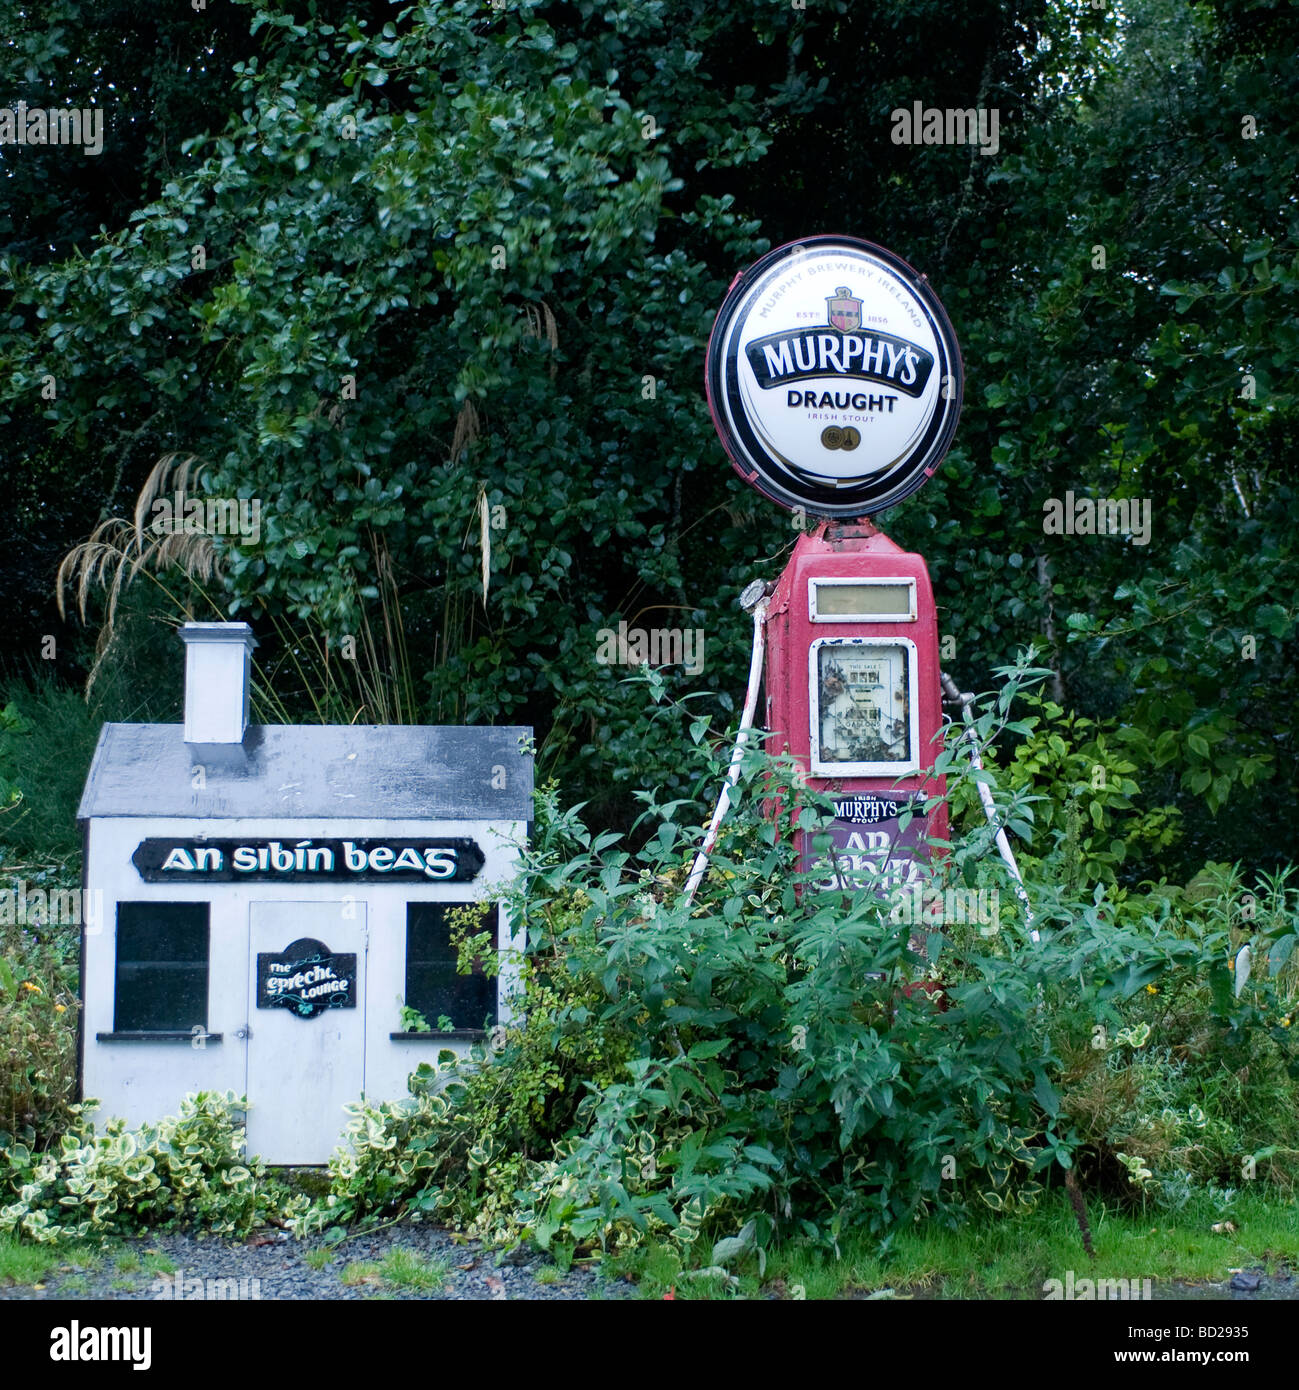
[834, 377]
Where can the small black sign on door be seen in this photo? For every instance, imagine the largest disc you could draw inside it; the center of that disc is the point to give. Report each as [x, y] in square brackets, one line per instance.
[306, 978]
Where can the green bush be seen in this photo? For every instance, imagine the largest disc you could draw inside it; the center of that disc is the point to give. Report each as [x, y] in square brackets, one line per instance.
[38, 1032]
[1088, 824]
[1193, 1081]
[186, 1169]
[46, 745]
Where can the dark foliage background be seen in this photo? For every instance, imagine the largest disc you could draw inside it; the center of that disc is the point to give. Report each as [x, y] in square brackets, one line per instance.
[541, 208]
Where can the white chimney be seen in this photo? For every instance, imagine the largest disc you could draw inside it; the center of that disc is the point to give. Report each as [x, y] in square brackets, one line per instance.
[217, 660]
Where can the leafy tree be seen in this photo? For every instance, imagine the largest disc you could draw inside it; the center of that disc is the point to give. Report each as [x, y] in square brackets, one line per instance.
[458, 266]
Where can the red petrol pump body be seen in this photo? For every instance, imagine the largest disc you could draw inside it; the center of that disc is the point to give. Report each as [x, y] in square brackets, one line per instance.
[853, 693]
[835, 382]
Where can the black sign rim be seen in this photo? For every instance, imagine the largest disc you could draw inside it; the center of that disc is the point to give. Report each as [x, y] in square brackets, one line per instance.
[774, 480]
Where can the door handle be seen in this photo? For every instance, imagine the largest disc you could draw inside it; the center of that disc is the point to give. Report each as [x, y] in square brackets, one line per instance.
[244, 1032]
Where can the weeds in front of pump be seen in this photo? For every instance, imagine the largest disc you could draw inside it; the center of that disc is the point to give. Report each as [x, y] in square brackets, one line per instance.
[821, 1055]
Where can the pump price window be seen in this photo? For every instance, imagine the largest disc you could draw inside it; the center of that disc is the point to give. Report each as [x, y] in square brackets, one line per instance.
[838, 600]
[863, 715]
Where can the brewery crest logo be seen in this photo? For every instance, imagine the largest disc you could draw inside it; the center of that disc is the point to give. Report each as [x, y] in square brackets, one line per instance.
[843, 311]
[834, 377]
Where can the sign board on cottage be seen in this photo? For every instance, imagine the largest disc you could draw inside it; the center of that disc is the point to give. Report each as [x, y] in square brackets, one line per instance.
[306, 978]
[162, 860]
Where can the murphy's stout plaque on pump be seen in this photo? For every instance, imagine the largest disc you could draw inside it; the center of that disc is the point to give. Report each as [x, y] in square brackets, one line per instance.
[834, 377]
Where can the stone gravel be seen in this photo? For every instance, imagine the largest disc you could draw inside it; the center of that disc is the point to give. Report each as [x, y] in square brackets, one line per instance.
[279, 1267]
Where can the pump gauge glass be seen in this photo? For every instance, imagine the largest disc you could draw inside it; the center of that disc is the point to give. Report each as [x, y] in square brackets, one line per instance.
[861, 707]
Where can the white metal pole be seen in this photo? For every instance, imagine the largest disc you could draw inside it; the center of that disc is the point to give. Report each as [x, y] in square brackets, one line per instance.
[758, 607]
[989, 810]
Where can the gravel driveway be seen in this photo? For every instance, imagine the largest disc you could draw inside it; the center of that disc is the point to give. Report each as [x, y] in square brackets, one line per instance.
[399, 1262]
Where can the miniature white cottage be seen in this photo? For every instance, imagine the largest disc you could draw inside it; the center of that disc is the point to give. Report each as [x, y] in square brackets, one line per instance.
[273, 896]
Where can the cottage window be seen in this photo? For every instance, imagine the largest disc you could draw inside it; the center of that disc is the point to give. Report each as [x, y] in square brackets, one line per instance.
[433, 987]
[162, 967]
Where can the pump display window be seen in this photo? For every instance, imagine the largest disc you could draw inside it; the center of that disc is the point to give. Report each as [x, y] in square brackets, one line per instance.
[863, 717]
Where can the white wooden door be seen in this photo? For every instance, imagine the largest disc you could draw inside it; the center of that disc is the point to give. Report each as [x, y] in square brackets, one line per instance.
[303, 1067]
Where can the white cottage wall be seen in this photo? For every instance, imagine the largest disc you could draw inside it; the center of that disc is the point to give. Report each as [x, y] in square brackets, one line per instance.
[146, 1079]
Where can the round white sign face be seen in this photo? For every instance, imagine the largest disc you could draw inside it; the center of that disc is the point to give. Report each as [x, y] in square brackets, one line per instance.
[834, 377]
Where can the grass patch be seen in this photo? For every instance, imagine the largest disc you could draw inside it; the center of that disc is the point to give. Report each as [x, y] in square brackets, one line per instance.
[1000, 1257]
[997, 1257]
[657, 1272]
[408, 1270]
[360, 1272]
[128, 1262]
[30, 1264]
[547, 1274]
[157, 1263]
[317, 1259]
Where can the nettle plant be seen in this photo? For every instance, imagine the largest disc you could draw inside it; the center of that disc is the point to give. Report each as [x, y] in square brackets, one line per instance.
[784, 1074]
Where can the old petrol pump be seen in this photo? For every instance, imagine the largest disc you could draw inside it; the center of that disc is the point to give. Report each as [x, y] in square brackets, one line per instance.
[853, 689]
[835, 381]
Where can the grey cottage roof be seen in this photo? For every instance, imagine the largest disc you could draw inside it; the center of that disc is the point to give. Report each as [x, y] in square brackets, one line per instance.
[341, 771]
